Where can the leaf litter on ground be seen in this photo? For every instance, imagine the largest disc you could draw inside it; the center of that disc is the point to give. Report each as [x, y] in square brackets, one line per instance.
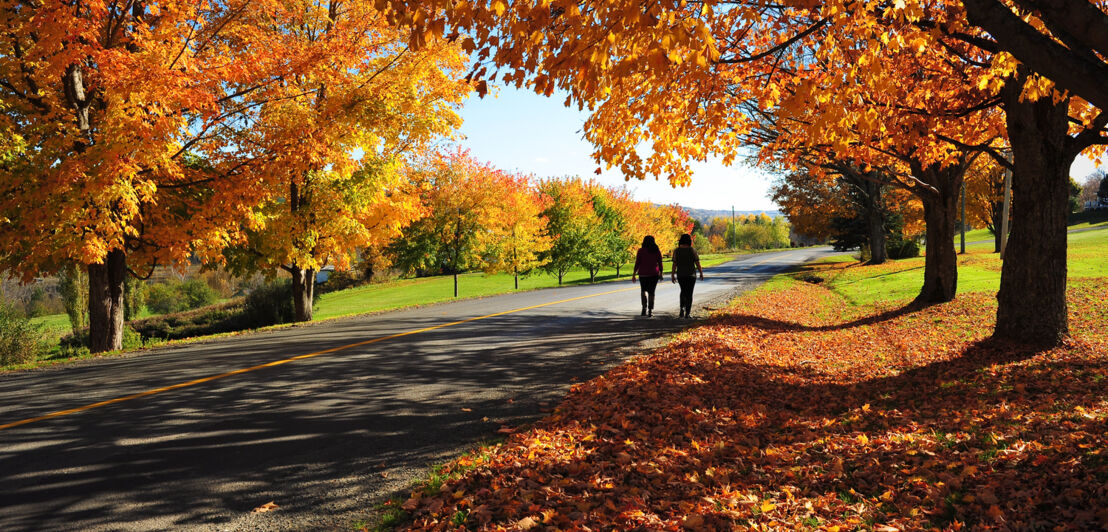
[793, 409]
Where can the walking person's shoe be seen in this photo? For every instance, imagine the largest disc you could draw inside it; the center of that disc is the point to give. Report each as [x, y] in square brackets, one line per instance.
[650, 312]
[643, 311]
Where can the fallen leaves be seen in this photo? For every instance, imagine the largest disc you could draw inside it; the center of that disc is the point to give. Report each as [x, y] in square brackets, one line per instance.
[269, 506]
[796, 410]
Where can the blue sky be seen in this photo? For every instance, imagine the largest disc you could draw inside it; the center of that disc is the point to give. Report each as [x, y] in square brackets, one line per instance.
[521, 131]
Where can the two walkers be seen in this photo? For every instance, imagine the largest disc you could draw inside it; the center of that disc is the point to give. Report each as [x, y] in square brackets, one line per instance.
[649, 268]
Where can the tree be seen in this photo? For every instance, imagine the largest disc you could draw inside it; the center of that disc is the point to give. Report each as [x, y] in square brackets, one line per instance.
[613, 240]
[1102, 191]
[108, 106]
[571, 224]
[985, 197]
[459, 194]
[331, 139]
[517, 238]
[1091, 187]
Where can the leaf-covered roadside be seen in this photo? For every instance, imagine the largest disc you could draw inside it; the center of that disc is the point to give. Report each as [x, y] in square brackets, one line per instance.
[796, 410]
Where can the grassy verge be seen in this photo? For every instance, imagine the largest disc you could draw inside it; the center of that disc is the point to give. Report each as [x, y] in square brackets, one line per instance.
[822, 406]
[410, 292]
[375, 297]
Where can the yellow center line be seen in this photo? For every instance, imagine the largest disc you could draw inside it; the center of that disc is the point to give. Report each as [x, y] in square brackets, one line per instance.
[299, 357]
[287, 360]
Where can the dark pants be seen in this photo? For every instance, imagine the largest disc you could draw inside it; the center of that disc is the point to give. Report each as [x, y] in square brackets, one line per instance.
[648, 285]
[687, 284]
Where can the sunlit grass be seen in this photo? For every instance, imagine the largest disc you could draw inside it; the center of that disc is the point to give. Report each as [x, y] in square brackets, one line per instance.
[978, 271]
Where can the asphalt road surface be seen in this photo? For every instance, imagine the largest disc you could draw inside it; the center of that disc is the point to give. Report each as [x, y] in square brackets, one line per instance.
[194, 437]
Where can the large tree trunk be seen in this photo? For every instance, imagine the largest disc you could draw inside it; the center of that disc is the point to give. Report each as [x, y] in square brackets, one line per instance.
[303, 293]
[940, 270]
[105, 302]
[1032, 296]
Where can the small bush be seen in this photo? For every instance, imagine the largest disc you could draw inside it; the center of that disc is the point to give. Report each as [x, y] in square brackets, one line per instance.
[215, 319]
[163, 298]
[20, 340]
[197, 293]
[269, 304]
[902, 249]
[134, 298]
[177, 296]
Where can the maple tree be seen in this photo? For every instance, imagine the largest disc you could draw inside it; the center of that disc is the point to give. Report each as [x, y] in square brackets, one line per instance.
[670, 76]
[985, 197]
[518, 236]
[460, 194]
[330, 139]
[113, 124]
[572, 225]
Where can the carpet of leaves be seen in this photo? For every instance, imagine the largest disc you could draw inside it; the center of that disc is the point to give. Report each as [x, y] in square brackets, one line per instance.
[793, 410]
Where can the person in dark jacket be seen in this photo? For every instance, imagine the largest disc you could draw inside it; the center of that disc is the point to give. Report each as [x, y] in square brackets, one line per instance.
[686, 264]
[648, 267]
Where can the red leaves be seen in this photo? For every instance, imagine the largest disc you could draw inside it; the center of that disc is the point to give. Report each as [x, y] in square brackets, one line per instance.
[795, 410]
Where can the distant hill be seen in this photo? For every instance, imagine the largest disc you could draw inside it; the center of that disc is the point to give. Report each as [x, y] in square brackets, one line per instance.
[705, 215]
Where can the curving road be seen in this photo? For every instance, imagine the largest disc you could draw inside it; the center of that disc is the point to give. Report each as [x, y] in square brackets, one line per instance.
[194, 437]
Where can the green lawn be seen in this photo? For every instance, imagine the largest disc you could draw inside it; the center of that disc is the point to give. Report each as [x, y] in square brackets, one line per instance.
[411, 292]
[975, 235]
[978, 271]
[422, 291]
[53, 326]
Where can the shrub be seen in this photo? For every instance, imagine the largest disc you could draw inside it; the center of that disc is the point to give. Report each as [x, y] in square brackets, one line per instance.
[902, 248]
[20, 340]
[340, 280]
[269, 304]
[134, 298]
[215, 319]
[197, 293]
[163, 298]
[73, 288]
[176, 296]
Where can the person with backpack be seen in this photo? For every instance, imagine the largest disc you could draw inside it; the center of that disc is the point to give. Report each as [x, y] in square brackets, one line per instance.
[686, 264]
[649, 268]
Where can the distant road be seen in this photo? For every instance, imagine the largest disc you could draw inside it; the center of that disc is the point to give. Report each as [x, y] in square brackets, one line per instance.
[194, 437]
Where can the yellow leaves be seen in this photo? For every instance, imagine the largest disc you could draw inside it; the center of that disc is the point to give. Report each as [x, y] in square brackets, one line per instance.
[499, 7]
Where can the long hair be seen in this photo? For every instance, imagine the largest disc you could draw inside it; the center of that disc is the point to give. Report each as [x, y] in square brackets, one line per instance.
[686, 240]
[649, 244]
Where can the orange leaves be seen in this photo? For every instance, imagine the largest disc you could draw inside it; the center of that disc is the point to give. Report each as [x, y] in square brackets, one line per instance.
[901, 423]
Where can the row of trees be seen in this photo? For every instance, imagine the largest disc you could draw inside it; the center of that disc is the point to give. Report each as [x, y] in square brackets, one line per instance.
[481, 218]
[908, 94]
[746, 231]
[256, 134]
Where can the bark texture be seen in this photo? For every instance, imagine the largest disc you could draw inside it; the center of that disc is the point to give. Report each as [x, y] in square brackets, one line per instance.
[105, 302]
[303, 293]
[875, 218]
[940, 271]
[1032, 297]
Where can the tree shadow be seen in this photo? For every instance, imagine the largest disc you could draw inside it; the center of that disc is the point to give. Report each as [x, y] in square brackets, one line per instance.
[779, 326]
[980, 439]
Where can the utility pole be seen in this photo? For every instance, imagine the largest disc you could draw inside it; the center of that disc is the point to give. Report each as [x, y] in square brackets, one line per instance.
[963, 217]
[1004, 212]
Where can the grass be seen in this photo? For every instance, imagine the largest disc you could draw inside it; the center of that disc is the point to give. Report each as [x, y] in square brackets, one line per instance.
[54, 326]
[411, 292]
[978, 271]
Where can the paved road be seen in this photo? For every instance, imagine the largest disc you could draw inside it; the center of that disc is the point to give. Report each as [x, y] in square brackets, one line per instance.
[323, 436]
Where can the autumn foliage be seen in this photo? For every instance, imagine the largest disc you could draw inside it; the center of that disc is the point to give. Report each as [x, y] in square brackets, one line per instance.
[794, 409]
